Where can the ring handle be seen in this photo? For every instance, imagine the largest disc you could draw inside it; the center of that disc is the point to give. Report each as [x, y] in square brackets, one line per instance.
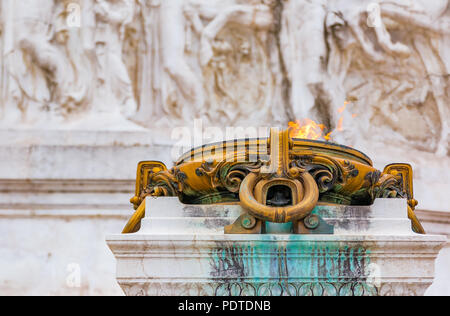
[283, 214]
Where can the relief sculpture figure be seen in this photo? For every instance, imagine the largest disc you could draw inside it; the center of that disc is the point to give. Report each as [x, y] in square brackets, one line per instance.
[115, 87]
[183, 94]
[358, 50]
[237, 52]
[46, 75]
[34, 64]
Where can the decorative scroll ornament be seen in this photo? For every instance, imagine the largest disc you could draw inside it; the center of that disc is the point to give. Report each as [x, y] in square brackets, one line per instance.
[153, 179]
[303, 188]
[227, 175]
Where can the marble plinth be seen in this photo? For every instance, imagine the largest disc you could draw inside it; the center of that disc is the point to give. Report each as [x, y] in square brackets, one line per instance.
[181, 250]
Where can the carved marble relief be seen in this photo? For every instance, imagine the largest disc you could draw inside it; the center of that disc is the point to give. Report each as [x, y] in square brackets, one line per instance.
[114, 88]
[232, 62]
[397, 72]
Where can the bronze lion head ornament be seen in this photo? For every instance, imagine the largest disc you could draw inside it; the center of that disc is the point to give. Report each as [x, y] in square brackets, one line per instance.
[278, 179]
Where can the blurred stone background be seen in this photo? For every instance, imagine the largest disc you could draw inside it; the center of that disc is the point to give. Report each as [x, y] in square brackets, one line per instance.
[90, 87]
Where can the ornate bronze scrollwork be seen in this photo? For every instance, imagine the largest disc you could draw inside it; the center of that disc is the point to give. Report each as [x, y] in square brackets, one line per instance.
[403, 174]
[304, 192]
[284, 184]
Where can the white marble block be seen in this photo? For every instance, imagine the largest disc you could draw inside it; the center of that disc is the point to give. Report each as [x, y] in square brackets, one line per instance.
[182, 250]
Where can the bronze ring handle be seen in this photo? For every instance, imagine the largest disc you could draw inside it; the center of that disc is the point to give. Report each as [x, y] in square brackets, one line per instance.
[284, 214]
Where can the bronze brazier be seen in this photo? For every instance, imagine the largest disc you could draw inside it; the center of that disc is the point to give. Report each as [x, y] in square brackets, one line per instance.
[277, 179]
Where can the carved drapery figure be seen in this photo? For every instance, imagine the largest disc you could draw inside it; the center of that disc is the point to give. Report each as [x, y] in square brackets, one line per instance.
[403, 59]
[47, 69]
[74, 91]
[148, 65]
[47, 73]
[239, 58]
[304, 53]
[182, 93]
[32, 62]
[394, 71]
[115, 93]
[186, 83]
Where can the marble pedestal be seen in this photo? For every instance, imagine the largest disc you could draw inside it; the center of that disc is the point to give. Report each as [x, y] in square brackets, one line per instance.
[181, 250]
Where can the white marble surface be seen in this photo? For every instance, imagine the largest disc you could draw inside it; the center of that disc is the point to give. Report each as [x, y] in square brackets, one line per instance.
[186, 264]
[441, 284]
[58, 252]
[167, 216]
[182, 250]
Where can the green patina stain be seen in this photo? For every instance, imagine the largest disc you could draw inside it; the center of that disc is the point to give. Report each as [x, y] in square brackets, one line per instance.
[298, 265]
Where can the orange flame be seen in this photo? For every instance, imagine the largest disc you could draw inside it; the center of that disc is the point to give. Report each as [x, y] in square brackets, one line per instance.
[308, 129]
[340, 126]
[342, 109]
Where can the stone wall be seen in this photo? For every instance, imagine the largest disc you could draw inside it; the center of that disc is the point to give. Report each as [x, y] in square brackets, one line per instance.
[90, 87]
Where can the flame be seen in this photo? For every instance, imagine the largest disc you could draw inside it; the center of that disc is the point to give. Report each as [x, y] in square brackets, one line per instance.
[342, 109]
[308, 129]
[340, 126]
